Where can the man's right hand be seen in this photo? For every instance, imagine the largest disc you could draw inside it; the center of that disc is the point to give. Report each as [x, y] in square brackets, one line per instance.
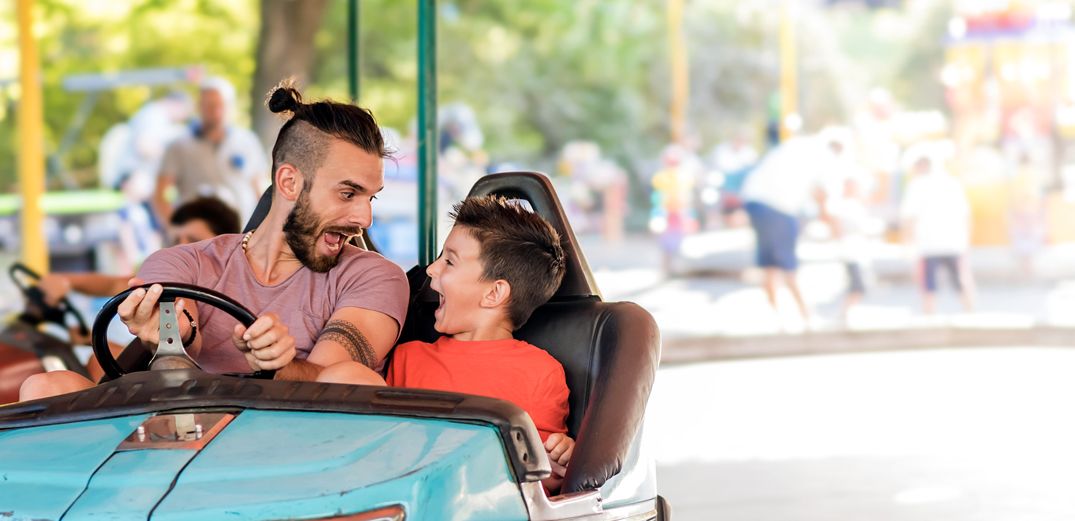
[139, 312]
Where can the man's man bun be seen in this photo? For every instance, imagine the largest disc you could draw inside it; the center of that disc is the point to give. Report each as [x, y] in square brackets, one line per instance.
[284, 99]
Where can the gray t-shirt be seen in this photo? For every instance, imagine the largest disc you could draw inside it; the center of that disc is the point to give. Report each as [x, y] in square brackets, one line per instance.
[304, 302]
[227, 171]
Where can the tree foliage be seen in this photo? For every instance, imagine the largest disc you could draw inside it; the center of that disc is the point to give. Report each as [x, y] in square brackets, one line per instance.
[538, 73]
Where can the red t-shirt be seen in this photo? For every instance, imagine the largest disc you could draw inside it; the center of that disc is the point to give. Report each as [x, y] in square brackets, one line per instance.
[510, 370]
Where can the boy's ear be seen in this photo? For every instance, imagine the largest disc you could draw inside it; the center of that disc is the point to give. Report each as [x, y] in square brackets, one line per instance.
[498, 294]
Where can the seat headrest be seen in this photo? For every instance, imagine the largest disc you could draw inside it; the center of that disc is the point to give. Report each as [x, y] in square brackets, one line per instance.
[536, 189]
[260, 211]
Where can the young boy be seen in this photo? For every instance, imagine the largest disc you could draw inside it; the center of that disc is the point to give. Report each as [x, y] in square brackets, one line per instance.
[500, 262]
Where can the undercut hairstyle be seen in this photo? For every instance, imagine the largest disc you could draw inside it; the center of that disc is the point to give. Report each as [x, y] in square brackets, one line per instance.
[304, 139]
[517, 246]
[219, 216]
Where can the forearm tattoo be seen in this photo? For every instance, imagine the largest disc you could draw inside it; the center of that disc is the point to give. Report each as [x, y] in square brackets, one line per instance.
[347, 335]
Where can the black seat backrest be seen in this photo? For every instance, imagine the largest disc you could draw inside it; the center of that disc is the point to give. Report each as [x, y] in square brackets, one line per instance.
[609, 350]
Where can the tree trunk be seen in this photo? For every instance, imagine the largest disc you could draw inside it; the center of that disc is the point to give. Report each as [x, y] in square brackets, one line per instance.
[285, 48]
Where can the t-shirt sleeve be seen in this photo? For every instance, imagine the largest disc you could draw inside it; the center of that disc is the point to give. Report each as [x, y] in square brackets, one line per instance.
[550, 405]
[174, 264]
[374, 283]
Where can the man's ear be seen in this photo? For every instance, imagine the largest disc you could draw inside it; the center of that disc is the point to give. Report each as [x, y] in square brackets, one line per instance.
[498, 294]
[288, 181]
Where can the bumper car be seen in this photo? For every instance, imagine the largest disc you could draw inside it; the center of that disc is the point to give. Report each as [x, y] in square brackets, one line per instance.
[26, 347]
[174, 442]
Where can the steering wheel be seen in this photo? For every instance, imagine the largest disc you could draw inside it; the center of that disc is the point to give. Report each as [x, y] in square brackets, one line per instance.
[170, 352]
[37, 309]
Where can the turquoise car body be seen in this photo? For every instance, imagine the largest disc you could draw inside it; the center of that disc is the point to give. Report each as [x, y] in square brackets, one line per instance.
[275, 461]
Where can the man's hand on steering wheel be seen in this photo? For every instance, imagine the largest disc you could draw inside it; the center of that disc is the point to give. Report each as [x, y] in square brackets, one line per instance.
[266, 343]
[140, 313]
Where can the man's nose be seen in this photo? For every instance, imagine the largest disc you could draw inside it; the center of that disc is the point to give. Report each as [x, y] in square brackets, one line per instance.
[362, 215]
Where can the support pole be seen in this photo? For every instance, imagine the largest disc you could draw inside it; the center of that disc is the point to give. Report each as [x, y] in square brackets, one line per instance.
[789, 80]
[427, 131]
[677, 50]
[31, 142]
[354, 59]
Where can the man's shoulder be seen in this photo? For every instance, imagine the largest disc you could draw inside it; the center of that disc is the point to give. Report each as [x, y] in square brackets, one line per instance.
[357, 259]
[219, 246]
[184, 143]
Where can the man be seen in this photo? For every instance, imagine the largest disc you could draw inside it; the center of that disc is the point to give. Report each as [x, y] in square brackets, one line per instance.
[217, 159]
[319, 300]
[777, 193]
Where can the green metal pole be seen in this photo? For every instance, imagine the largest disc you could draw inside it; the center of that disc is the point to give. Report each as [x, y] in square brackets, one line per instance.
[427, 131]
[353, 58]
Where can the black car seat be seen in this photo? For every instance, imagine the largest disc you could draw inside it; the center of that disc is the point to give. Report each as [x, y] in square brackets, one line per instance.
[609, 350]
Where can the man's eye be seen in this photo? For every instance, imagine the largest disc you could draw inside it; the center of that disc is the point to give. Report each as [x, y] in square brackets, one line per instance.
[347, 195]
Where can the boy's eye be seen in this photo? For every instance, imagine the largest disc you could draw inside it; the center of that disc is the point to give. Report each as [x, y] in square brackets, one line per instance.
[448, 262]
[373, 198]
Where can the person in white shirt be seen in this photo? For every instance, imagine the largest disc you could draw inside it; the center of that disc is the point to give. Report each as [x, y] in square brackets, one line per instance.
[217, 160]
[936, 213]
[789, 181]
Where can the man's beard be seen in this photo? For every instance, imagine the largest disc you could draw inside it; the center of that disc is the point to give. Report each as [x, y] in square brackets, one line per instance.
[303, 229]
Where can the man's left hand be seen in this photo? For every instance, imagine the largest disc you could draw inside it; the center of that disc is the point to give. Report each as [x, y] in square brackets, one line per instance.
[266, 343]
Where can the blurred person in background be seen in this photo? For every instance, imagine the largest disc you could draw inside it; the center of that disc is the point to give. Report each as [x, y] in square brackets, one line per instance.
[129, 159]
[1026, 213]
[850, 217]
[936, 215]
[217, 159]
[673, 197]
[732, 160]
[789, 181]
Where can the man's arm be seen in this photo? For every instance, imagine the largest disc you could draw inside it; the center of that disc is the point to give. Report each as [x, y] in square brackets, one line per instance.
[351, 335]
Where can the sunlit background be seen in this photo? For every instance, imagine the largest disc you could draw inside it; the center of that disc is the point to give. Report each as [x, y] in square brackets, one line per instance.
[650, 116]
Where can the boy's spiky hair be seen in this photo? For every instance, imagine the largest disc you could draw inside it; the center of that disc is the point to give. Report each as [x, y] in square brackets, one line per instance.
[517, 246]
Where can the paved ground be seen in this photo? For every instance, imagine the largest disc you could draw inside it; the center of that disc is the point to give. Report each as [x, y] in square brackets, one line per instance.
[958, 435]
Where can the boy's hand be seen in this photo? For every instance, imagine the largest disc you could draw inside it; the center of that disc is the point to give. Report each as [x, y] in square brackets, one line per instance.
[266, 343]
[559, 447]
